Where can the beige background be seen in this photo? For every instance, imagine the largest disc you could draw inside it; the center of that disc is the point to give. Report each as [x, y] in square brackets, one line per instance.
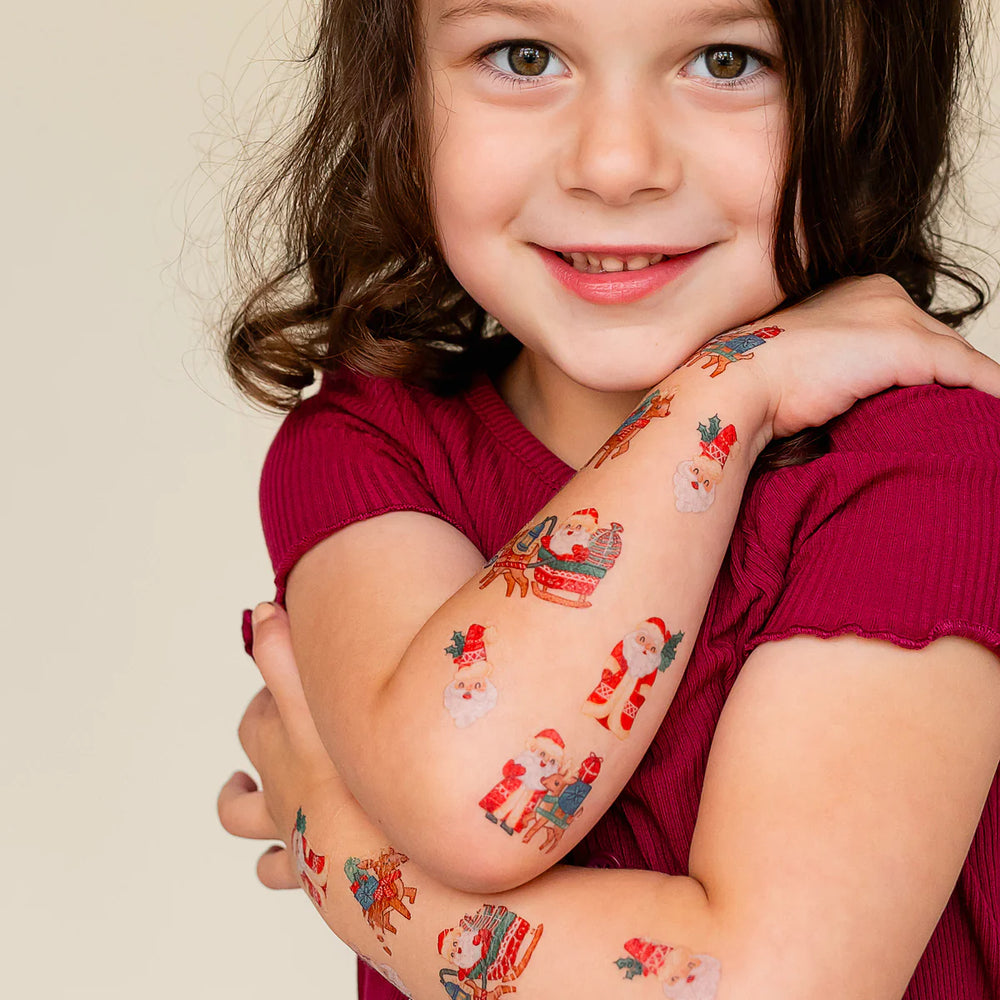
[132, 539]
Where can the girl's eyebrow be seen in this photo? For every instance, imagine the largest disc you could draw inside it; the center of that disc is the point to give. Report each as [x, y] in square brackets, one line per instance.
[536, 10]
[709, 16]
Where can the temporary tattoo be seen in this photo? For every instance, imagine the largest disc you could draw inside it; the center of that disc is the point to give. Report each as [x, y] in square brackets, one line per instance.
[696, 478]
[683, 975]
[377, 885]
[386, 972]
[513, 559]
[571, 558]
[486, 953]
[654, 405]
[310, 866]
[721, 351]
[631, 668]
[562, 802]
[512, 800]
[471, 693]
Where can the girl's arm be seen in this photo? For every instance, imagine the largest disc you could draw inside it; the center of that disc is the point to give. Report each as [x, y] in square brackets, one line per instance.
[843, 788]
[616, 570]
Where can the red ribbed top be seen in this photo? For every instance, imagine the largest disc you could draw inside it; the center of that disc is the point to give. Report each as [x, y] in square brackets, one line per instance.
[895, 534]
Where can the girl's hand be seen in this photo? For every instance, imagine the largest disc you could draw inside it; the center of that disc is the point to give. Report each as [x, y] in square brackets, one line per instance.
[279, 736]
[851, 340]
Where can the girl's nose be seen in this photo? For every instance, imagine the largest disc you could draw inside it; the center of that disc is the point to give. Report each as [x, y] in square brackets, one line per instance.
[618, 150]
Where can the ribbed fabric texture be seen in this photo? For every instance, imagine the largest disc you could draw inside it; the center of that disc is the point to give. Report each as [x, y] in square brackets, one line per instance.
[895, 534]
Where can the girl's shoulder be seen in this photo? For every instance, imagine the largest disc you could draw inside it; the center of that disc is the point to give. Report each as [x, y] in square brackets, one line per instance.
[892, 533]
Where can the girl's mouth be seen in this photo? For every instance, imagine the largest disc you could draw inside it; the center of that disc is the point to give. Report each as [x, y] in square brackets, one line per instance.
[617, 275]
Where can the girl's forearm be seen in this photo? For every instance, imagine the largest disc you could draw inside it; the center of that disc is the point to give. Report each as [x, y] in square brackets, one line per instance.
[571, 932]
[564, 652]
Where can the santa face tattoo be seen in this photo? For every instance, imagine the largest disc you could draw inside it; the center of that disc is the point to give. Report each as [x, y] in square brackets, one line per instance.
[633, 666]
[537, 791]
[486, 953]
[656, 404]
[377, 885]
[682, 974]
[470, 694]
[735, 345]
[568, 559]
[696, 479]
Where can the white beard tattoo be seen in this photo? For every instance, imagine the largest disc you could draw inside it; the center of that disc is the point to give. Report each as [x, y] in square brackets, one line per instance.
[466, 706]
[638, 659]
[564, 539]
[690, 499]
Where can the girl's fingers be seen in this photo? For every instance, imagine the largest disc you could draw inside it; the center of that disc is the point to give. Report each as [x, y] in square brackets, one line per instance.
[242, 810]
[272, 652]
[275, 869]
[957, 363]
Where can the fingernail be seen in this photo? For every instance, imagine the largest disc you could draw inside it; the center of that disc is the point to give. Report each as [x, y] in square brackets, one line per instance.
[262, 612]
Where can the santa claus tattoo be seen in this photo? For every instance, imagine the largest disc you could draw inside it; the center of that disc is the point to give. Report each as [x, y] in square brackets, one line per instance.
[486, 953]
[683, 975]
[471, 693]
[634, 664]
[309, 866]
[696, 478]
[575, 558]
[513, 798]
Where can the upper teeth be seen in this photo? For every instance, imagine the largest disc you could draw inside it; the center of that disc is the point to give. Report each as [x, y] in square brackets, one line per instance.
[594, 264]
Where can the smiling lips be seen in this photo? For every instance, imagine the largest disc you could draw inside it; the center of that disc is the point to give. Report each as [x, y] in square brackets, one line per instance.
[616, 275]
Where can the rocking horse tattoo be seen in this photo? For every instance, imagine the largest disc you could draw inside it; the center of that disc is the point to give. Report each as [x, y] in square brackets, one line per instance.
[526, 780]
[723, 350]
[682, 974]
[631, 668]
[486, 953]
[562, 802]
[309, 866]
[654, 405]
[568, 558]
[470, 694]
[697, 477]
[377, 885]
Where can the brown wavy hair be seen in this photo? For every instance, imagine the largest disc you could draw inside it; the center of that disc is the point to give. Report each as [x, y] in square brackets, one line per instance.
[359, 280]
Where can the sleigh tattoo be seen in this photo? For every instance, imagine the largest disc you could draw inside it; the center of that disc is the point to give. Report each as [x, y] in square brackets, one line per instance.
[309, 866]
[567, 559]
[377, 885]
[487, 952]
[654, 406]
[723, 350]
[681, 974]
[630, 670]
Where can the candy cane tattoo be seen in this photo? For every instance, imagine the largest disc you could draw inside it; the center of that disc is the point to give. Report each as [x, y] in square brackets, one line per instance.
[486, 953]
[634, 664]
[696, 478]
[470, 694]
[682, 974]
[310, 866]
[569, 558]
[723, 350]
[655, 405]
[377, 885]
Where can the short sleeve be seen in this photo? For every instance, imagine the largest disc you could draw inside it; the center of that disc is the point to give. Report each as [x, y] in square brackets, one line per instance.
[895, 534]
[340, 457]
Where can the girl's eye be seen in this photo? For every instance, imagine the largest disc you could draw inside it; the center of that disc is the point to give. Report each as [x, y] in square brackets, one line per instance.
[729, 65]
[521, 59]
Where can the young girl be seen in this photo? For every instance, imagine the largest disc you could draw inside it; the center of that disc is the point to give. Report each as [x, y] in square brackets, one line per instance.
[665, 215]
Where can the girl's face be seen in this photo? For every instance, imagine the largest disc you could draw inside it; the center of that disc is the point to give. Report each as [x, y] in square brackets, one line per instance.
[613, 132]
